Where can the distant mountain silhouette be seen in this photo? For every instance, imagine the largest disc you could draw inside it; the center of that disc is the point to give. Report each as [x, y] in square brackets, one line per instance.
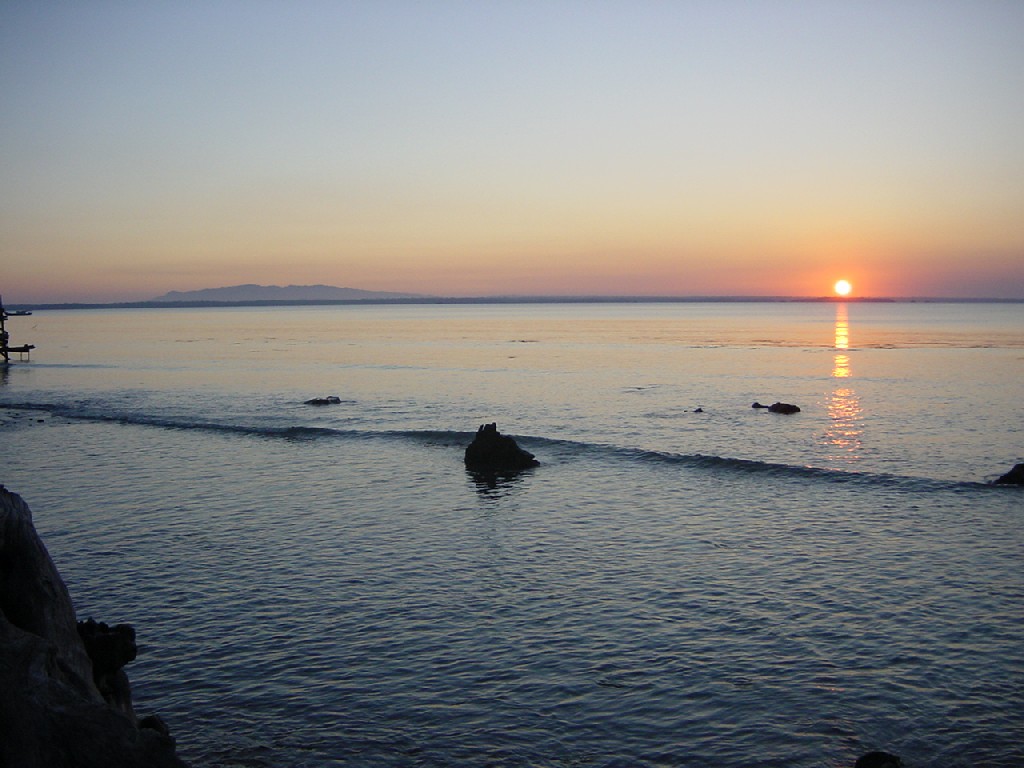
[253, 292]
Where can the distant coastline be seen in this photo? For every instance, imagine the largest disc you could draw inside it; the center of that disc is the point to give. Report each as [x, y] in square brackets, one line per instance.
[201, 304]
[249, 292]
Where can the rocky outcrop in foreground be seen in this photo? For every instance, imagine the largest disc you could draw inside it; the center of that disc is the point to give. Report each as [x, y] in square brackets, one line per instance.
[52, 712]
[492, 451]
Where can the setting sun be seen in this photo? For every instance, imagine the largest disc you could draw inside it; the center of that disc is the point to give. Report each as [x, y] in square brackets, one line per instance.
[842, 287]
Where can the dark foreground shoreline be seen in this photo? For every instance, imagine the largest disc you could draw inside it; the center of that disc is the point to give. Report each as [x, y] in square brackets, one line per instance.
[65, 701]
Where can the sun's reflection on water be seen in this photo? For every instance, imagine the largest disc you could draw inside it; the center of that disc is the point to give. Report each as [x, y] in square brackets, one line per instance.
[842, 327]
[844, 432]
[841, 367]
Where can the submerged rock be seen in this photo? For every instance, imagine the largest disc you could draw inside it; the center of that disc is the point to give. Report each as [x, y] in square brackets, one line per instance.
[878, 760]
[492, 451]
[1014, 477]
[776, 407]
[329, 400]
[52, 714]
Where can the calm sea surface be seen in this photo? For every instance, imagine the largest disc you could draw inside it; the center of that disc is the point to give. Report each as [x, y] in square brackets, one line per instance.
[684, 581]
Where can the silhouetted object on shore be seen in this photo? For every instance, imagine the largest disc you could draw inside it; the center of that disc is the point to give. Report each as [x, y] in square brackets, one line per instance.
[52, 714]
[329, 400]
[5, 338]
[786, 408]
[878, 760]
[492, 451]
[1014, 477]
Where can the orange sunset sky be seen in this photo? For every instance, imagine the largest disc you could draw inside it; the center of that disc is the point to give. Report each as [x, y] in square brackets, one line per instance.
[479, 148]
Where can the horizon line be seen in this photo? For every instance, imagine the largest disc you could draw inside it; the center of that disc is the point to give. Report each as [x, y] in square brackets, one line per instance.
[513, 299]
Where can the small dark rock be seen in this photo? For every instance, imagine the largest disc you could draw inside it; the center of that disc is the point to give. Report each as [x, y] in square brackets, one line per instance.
[492, 451]
[329, 400]
[109, 649]
[155, 723]
[878, 760]
[777, 407]
[1014, 477]
[698, 410]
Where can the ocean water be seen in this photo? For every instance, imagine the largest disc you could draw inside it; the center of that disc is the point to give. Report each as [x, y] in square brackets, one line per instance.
[684, 581]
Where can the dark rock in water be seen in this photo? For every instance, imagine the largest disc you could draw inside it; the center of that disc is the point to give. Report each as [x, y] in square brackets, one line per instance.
[878, 760]
[492, 451]
[329, 400]
[1014, 477]
[777, 407]
[52, 714]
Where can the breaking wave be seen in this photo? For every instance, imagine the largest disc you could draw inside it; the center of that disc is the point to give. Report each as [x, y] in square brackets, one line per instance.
[549, 450]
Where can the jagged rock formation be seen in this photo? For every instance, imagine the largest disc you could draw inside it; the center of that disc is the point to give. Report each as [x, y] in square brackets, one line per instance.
[109, 649]
[52, 714]
[492, 451]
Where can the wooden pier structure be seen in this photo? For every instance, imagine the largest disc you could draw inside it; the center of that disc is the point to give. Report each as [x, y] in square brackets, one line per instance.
[6, 350]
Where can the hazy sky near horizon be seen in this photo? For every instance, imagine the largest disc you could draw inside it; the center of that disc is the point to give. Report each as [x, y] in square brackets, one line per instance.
[479, 148]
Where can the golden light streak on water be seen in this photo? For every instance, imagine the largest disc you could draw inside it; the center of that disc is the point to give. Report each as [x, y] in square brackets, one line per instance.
[842, 327]
[845, 431]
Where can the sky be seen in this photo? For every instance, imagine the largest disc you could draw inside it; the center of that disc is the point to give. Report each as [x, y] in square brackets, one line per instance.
[512, 147]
